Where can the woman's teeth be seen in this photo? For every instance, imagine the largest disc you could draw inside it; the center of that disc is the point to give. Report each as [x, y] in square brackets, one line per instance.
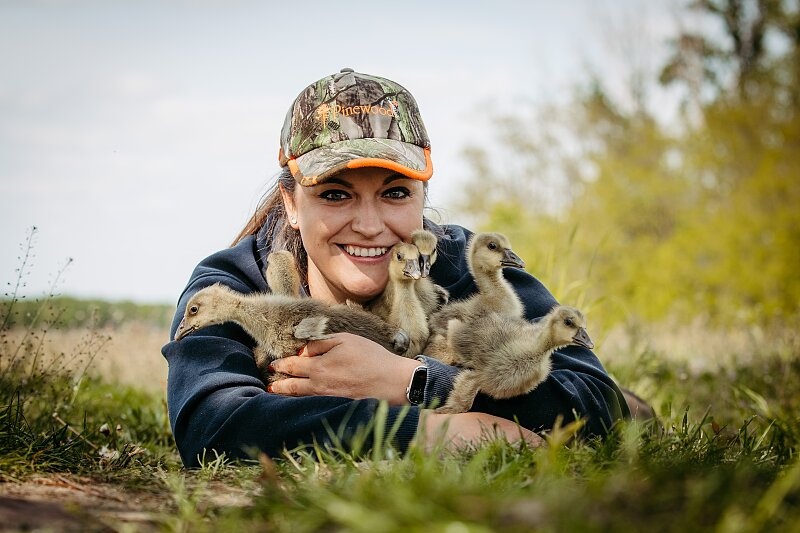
[364, 252]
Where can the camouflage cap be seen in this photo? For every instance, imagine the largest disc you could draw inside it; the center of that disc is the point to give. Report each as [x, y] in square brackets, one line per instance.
[352, 120]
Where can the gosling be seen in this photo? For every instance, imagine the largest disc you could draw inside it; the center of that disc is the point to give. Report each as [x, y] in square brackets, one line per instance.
[281, 325]
[399, 303]
[506, 357]
[487, 255]
[282, 274]
[432, 296]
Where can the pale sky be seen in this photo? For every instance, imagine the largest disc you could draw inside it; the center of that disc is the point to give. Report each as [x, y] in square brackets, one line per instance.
[138, 136]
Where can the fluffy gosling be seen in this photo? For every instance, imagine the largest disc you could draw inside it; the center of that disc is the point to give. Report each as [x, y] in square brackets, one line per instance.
[505, 357]
[281, 325]
[399, 303]
[487, 255]
[432, 296]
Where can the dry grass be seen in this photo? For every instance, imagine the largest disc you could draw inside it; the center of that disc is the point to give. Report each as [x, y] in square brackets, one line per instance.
[699, 344]
[128, 355]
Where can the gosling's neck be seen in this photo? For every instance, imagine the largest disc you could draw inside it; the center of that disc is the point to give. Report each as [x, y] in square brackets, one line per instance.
[497, 293]
[238, 308]
[401, 295]
[548, 341]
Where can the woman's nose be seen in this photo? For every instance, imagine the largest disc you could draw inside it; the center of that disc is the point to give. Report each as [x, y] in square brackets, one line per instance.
[368, 220]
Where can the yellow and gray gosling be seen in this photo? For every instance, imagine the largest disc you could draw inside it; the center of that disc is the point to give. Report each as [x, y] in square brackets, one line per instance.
[487, 255]
[432, 296]
[505, 357]
[399, 303]
[281, 325]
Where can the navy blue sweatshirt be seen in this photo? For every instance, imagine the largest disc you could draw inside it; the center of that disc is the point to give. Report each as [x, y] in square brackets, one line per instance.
[217, 400]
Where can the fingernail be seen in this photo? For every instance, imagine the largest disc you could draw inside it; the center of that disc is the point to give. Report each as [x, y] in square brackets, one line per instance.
[300, 350]
[270, 367]
[269, 388]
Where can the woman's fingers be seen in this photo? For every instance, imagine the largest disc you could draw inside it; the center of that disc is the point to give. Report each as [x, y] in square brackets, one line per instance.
[293, 365]
[458, 430]
[291, 387]
[321, 346]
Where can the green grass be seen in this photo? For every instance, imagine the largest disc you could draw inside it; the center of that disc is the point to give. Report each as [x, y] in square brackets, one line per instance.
[722, 458]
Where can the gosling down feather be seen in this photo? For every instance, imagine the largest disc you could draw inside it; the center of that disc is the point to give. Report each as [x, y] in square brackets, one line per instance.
[282, 274]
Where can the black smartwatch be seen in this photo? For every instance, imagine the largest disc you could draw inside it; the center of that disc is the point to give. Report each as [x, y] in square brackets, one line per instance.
[415, 392]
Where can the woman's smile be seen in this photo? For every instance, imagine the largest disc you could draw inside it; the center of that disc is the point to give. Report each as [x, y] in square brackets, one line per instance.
[365, 252]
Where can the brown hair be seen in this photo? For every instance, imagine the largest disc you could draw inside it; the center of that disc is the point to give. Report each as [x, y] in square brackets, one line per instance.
[271, 211]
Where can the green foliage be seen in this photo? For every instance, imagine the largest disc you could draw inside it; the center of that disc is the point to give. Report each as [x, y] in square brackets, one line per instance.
[75, 313]
[695, 218]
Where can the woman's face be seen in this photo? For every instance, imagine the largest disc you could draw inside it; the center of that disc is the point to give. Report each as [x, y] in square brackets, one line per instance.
[348, 224]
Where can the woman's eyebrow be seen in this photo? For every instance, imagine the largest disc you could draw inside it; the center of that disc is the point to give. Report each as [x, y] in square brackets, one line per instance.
[395, 176]
[338, 181]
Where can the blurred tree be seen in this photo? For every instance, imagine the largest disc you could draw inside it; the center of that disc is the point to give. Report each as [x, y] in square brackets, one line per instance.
[698, 218]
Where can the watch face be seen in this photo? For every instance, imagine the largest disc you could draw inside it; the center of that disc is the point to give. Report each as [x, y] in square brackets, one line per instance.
[416, 389]
[416, 395]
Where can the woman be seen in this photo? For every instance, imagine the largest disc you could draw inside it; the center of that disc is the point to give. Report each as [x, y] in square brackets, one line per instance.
[355, 158]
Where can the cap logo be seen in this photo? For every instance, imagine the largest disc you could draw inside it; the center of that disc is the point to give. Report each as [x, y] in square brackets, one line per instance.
[326, 111]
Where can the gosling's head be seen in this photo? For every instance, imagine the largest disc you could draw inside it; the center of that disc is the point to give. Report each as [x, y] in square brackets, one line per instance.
[207, 307]
[425, 241]
[404, 262]
[490, 252]
[568, 326]
[282, 274]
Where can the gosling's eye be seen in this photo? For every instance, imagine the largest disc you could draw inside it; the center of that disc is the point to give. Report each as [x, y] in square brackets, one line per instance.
[193, 310]
[569, 323]
[492, 245]
[399, 256]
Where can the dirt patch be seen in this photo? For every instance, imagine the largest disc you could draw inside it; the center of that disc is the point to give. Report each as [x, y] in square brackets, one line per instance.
[73, 503]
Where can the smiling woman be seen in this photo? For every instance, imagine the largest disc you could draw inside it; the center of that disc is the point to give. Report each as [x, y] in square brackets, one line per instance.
[352, 186]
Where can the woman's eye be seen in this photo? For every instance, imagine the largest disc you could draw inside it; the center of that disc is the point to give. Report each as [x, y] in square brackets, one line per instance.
[334, 195]
[397, 193]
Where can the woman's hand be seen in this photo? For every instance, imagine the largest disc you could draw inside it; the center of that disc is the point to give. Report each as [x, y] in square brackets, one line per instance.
[463, 429]
[345, 365]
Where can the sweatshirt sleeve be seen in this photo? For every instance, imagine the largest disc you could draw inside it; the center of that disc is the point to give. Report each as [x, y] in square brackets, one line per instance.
[218, 402]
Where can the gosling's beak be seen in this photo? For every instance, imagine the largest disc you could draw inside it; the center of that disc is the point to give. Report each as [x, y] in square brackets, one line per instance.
[510, 259]
[412, 269]
[183, 330]
[425, 265]
[582, 339]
